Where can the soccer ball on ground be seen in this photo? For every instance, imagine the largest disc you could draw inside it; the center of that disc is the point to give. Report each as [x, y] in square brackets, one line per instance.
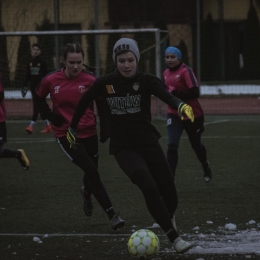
[143, 244]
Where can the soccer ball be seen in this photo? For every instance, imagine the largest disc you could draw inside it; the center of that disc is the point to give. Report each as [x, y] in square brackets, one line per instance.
[143, 244]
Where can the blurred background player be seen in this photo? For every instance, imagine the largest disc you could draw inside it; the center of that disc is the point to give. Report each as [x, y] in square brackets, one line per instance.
[182, 83]
[8, 153]
[133, 139]
[36, 69]
[66, 87]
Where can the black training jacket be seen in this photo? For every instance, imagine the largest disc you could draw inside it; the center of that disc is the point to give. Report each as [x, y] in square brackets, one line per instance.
[127, 106]
[36, 69]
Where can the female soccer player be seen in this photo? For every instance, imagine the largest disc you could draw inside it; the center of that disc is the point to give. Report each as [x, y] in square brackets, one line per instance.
[182, 83]
[66, 86]
[8, 153]
[133, 139]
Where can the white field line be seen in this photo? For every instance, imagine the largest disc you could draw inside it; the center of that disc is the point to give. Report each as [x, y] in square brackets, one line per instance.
[45, 140]
[51, 140]
[217, 122]
[243, 242]
[30, 140]
[221, 136]
[63, 235]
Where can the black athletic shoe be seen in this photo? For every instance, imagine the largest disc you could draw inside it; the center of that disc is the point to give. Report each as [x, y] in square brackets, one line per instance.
[117, 222]
[207, 172]
[23, 160]
[87, 206]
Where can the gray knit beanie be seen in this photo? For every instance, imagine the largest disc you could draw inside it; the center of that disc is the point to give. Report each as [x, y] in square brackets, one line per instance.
[126, 44]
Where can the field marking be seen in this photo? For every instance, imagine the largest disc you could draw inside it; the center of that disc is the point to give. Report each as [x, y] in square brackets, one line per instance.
[48, 140]
[64, 235]
[52, 140]
[217, 122]
[229, 137]
[243, 242]
[30, 140]
[220, 137]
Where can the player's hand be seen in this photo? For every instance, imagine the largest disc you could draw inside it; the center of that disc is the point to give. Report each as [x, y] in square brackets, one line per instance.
[72, 138]
[24, 91]
[187, 110]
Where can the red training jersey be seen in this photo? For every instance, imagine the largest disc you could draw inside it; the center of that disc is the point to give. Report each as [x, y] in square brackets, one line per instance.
[65, 94]
[182, 79]
[2, 104]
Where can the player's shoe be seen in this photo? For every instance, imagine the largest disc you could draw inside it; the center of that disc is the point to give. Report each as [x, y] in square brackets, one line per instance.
[23, 160]
[29, 129]
[87, 205]
[181, 246]
[207, 172]
[117, 222]
[47, 129]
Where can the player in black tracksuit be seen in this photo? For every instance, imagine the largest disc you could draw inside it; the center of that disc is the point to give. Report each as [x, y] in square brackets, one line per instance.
[36, 69]
[133, 139]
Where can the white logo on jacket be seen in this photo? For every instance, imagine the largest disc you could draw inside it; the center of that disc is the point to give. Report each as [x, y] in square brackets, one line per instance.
[82, 89]
[56, 89]
[125, 105]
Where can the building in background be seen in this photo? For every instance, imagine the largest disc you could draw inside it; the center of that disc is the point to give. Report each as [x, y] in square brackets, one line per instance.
[229, 33]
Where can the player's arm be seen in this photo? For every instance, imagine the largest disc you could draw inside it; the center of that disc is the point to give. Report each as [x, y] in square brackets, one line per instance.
[40, 102]
[189, 80]
[91, 94]
[45, 111]
[27, 75]
[191, 93]
[159, 89]
[26, 82]
[103, 124]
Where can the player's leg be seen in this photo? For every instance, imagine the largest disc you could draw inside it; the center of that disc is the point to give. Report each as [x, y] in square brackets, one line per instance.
[20, 155]
[194, 131]
[29, 129]
[174, 130]
[47, 127]
[35, 112]
[8, 153]
[91, 146]
[140, 175]
[161, 173]
[92, 179]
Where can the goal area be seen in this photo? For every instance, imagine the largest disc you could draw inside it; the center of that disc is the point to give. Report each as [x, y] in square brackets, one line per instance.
[98, 46]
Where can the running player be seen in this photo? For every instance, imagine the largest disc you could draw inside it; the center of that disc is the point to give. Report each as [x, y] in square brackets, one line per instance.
[182, 83]
[36, 69]
[66, 87]
[133, 139]
[8, 153]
